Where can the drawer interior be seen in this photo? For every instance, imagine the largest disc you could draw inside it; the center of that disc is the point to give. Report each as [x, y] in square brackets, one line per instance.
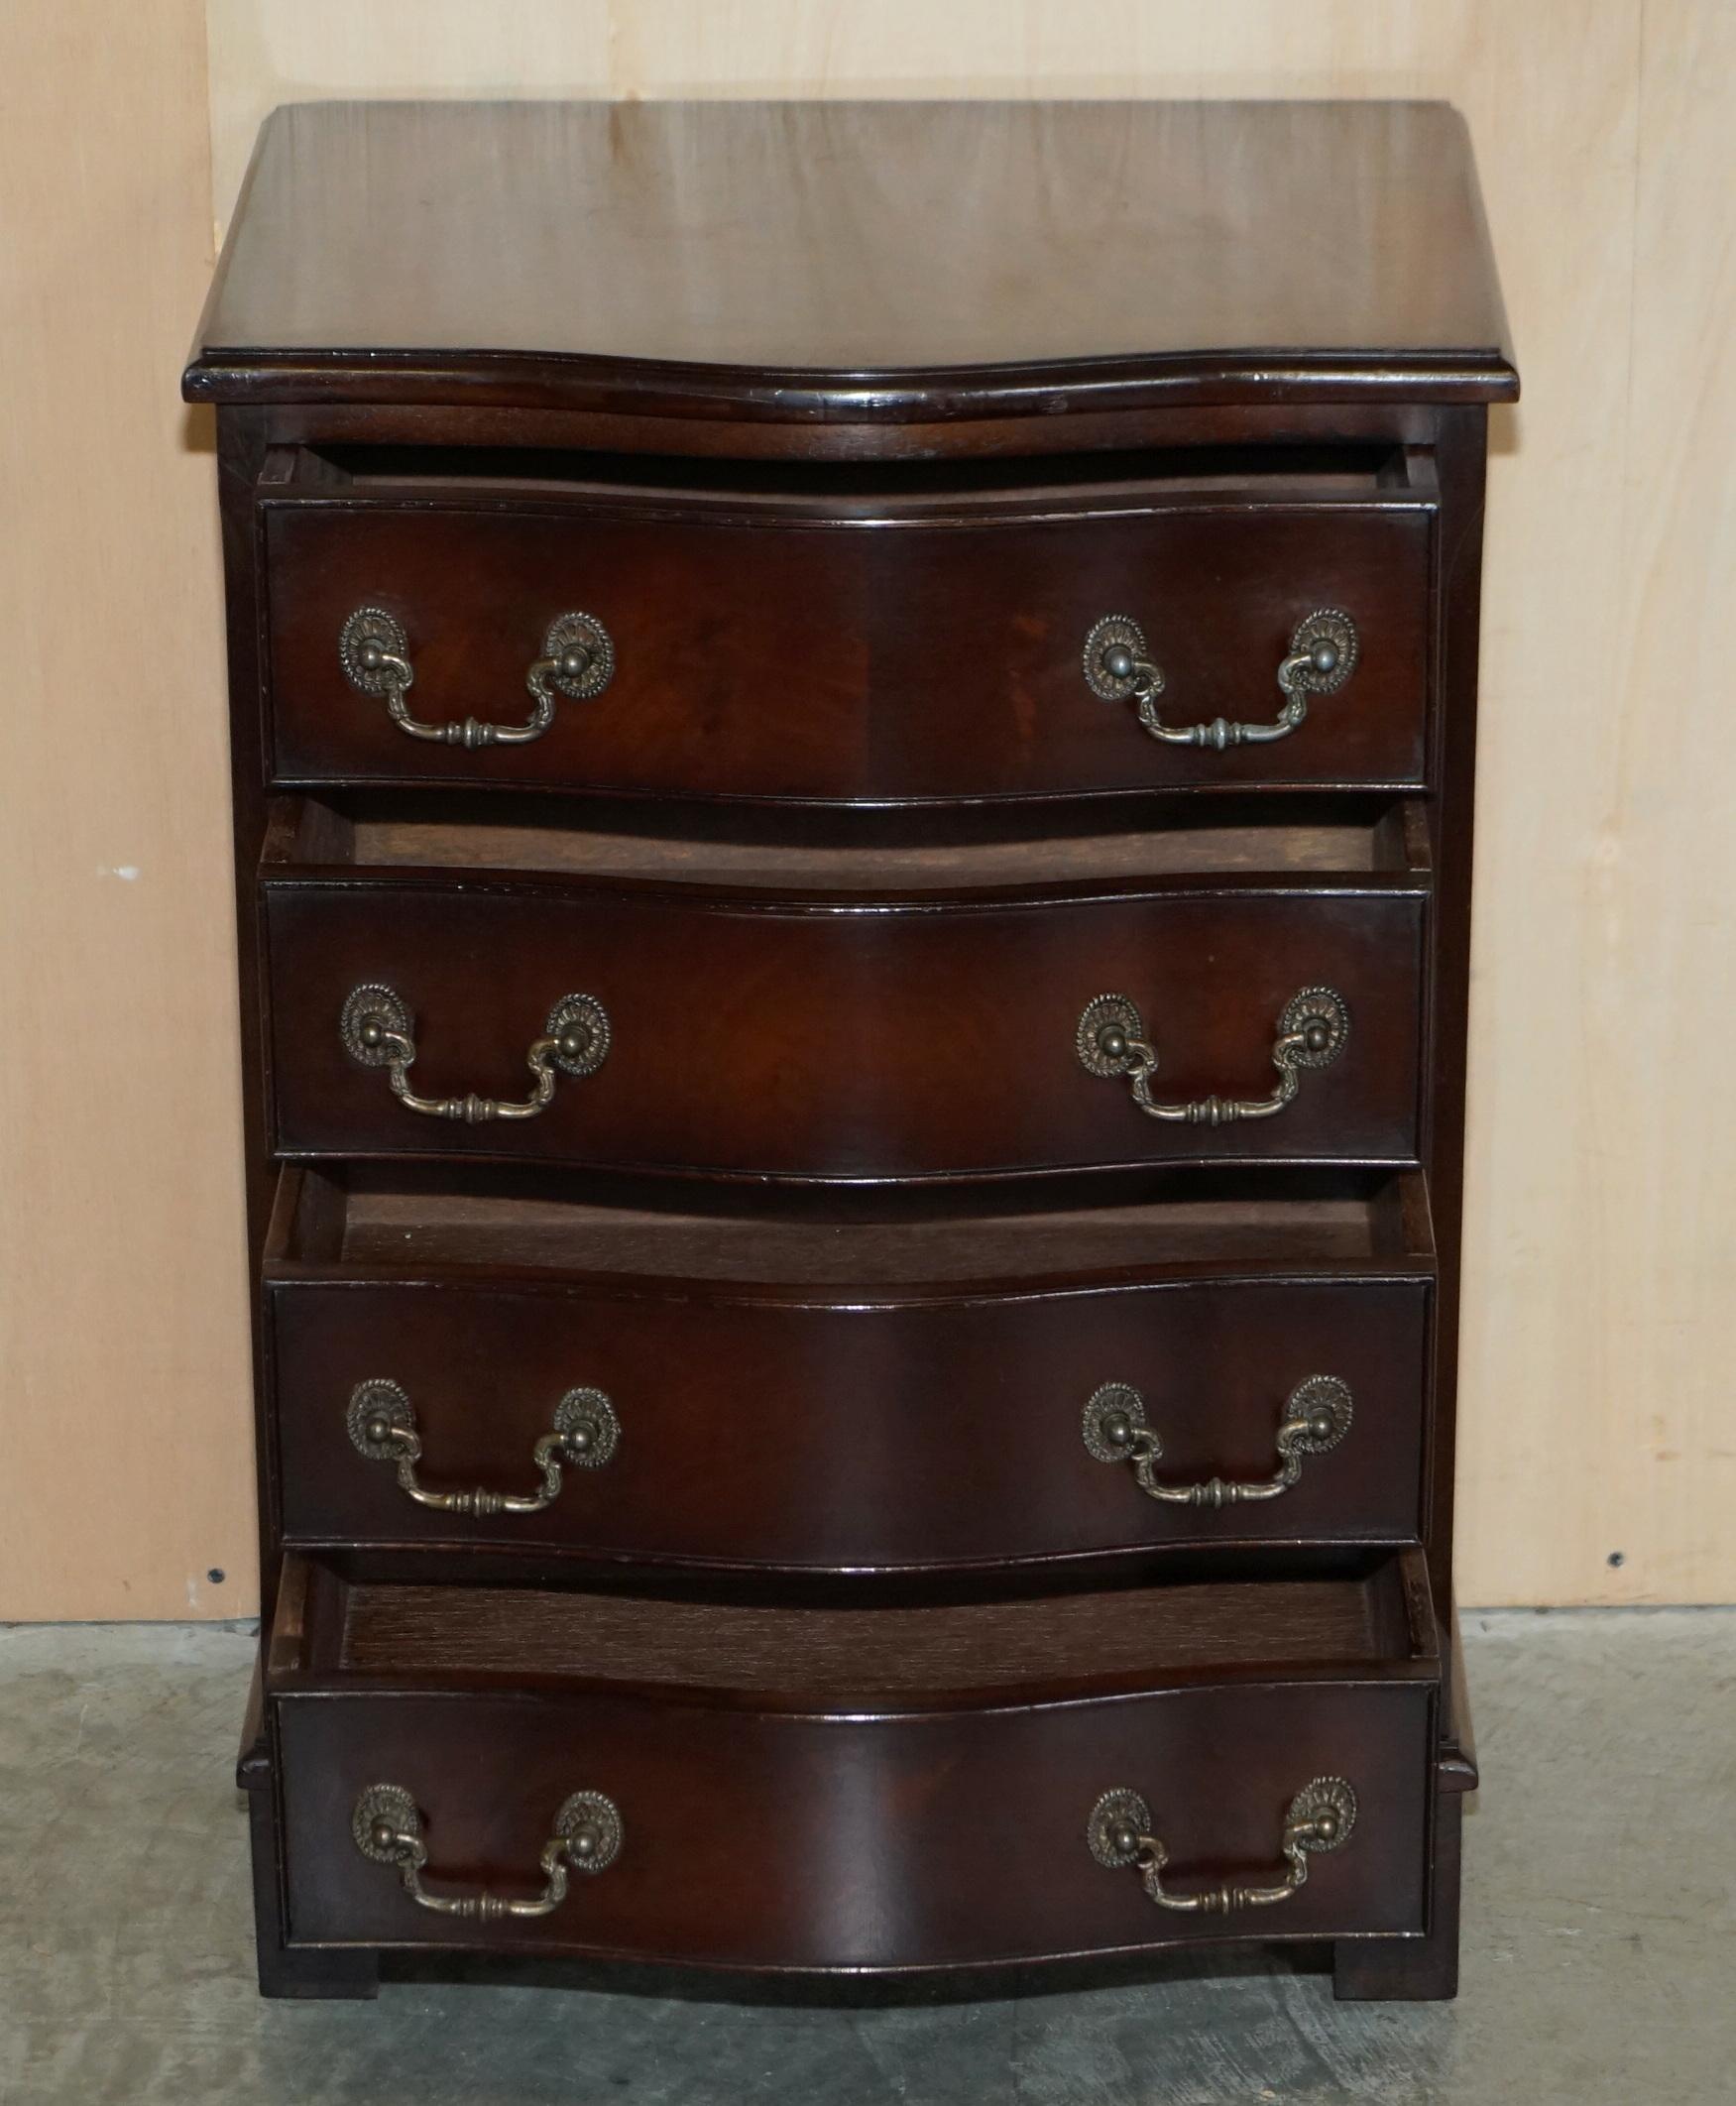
[387, 832]
[360, 1217]
[1276, 471]
[1368, 1622]
[823, 1786]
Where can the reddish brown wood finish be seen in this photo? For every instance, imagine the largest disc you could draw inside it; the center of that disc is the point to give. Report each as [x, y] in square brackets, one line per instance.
[1349, 399]
[825, 263]
[903, 647]
[945, 1831]
[1414, 1969]
[811, 1423]
[891, 1041]
[1461, 452]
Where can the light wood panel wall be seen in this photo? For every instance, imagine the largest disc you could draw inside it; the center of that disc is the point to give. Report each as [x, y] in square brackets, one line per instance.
[1601, 1261]
[124, 1415]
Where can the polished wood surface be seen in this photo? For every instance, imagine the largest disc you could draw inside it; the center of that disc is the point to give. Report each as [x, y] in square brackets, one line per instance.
[777, 1382]
[768, 1823]
[905, 646]
[863, 260]
[879, 1040]
[862, 996]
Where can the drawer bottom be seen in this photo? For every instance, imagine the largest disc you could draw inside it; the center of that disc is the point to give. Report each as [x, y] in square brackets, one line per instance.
[874, 1790]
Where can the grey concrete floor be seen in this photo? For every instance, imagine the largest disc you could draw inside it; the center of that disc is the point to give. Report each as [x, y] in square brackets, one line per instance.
[1599, 1955]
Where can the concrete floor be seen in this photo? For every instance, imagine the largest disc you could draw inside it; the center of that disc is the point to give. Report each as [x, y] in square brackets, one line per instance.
[1599, 1957]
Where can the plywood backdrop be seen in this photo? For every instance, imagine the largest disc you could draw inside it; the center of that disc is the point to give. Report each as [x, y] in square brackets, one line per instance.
[1600, 1446]
[124, 1435]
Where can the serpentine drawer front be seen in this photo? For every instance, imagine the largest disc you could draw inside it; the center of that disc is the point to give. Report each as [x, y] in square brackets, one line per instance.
[882, 1788]
[853, 844]
[892, 649]
[1133, 1016]
[757, 1391]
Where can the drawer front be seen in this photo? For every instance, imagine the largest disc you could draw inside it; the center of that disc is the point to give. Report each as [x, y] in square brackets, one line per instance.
[764, 1432]
[762, 1840]
[884, 660]
[828, 1042]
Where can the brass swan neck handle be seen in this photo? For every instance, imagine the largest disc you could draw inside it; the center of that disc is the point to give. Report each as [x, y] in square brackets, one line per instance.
[1314, 1419]
[1320, 1817]
[577, 660]
[1322, 653]
[378, 1030]
[386, 1825]
[1110, 1040]
[584, 1436]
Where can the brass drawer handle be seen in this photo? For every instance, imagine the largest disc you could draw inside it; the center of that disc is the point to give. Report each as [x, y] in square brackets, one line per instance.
[1315, 1418]
[382, 1424]
[387, 1825]
[1323, 647]
[1320, 1817]
[1312, 1030]
[378, 1030]
[578, 661]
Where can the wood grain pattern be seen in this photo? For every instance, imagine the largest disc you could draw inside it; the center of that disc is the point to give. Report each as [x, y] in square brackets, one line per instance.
[1025, 206]
[929, 1816]
[1599, 1316]
[891, 1036]
[837, 1395]
[856, 1842]
[751, 1036]
[1601, 1293]
[826, 1659]
[1599, 1319]
[750, 864]
[877, 651]
[123, 1405]
[808, 1246]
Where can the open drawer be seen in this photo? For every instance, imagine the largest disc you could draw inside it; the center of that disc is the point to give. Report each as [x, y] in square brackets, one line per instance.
[882, 634]
[822, 1787]
[626, 1002]
[474, 1363]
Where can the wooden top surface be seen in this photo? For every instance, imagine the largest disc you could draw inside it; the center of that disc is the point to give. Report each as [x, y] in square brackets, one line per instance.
[855, 260]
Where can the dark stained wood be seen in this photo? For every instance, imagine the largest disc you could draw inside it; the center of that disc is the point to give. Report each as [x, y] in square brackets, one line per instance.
[1029, 436]
[805, 1836]
[845, 847]
[1462, 454]
[909, 648]
[777, 1843]
[1421, 1968]
[907, 1040]
[1459, 1751]
[854, 262]
[351, 1973]
[810, 1396]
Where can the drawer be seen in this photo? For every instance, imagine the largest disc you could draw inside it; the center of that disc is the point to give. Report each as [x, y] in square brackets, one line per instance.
[811, 1787]
[886, 646]
[767, 1390]
[957, 1019]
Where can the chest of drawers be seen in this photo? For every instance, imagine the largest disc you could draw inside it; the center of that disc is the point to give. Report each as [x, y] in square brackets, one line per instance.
[853, 741]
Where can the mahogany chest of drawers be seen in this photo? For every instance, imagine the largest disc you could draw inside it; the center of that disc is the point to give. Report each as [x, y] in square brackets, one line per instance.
[853, 743]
